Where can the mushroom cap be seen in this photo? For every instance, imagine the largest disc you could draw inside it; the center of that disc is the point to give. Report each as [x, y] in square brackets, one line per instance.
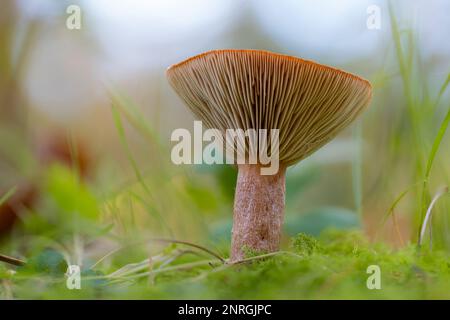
[308, 102]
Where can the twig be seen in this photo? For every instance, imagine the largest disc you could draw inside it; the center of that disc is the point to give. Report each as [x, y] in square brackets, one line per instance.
[164, 241]
[192, 245]
[134, 267]
[155, 271]
[11, 260]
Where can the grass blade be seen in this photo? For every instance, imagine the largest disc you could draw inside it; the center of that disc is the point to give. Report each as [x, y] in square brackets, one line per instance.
[428, 214]
[123, 140]
[7, 195]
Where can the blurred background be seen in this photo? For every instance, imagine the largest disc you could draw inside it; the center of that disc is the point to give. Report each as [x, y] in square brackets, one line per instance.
[86, 116]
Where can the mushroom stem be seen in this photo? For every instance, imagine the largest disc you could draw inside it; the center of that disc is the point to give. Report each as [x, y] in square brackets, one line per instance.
[258, 211]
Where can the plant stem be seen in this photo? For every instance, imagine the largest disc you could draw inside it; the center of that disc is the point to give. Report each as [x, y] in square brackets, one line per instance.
[434, 149]
[11, 260]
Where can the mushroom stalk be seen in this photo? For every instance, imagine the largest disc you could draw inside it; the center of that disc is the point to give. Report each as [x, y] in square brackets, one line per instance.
[307, 102]
[258, 211]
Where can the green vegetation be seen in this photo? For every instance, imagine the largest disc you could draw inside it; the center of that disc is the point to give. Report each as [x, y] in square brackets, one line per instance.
[140, 227]
[335, 266]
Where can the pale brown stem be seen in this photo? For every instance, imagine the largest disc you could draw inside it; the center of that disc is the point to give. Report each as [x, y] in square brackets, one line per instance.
[11, 260]
[258, 211]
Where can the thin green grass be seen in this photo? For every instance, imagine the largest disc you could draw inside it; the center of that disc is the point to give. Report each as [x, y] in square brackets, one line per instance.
[124, 142]
[421, 110]
[135, 117]
[436, 145]
[8, 194]
[357, 170]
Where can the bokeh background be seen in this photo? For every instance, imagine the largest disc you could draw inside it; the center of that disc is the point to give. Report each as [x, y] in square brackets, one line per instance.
[86, 117]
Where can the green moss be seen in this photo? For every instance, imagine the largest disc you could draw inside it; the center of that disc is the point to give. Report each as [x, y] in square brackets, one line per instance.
[333, 266]
[251, 253]
[304, 244]
[336, 267]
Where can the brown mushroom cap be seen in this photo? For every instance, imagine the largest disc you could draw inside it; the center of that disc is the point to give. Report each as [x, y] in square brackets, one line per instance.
[250, 89]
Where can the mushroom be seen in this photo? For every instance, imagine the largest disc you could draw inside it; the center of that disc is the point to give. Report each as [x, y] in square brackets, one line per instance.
[307, 102]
